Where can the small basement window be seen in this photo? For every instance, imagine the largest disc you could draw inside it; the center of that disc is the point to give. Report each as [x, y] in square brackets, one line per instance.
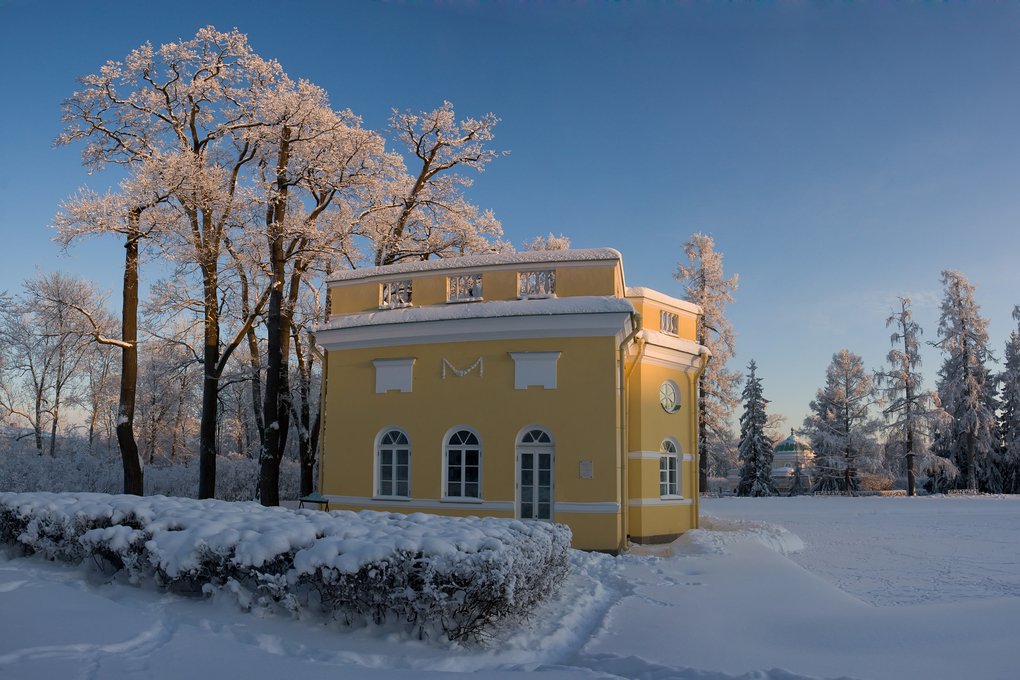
[396, 294]
[536, 284]
[464, 288]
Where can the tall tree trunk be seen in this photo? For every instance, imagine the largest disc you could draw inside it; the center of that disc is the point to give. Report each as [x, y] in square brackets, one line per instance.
[129, 365]
[210, 389]
[275, 413]
[911, 488]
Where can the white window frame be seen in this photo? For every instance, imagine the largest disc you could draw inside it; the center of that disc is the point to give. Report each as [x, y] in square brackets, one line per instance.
[669, 323]
[464, 288]
[551, 449]
[446, 496]
[378, 480]
[538, 283]
[395, 294]
[670, 450]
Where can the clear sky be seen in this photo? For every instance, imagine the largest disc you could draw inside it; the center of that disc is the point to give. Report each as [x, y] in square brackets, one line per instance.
[840, 154]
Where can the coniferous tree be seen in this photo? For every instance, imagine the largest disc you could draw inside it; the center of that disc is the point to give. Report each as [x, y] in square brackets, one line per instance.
[912, 411]
[755, 447]
[841, 431]
[1009, 418]
[967, 391]
[705, 286]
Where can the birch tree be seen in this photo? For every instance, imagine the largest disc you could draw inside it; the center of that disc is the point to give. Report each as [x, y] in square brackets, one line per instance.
[839, 424]
[705, 285]
[912, 411]
[966, 389]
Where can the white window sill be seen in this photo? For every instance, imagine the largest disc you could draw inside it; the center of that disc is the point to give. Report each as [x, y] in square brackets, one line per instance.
[391, 498]
[671, 498]
[462, 499]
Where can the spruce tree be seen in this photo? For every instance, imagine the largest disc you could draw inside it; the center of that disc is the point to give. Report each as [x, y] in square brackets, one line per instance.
[1009, 414]
[967, 391]
[755, 447]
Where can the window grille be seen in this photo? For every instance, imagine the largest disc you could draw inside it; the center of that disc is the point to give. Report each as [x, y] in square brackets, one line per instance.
[463, 288]
[537, 283]
[394, 464]
[668, 476]
[463, 465]
[396, 294]
[669, 323]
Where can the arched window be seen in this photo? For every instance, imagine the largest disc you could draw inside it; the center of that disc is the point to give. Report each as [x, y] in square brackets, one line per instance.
[393, 461]
[669, 469]
[463, 464]
[536, 468]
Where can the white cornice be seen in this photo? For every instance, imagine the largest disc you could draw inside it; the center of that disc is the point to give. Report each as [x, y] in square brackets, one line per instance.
[671, 358]
[662, 298]
[420, 503]
[658, 502]
[589, 325]
[607, 507]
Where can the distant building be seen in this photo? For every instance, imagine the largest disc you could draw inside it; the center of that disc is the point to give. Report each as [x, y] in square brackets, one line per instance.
[532, 385]
[788, 456]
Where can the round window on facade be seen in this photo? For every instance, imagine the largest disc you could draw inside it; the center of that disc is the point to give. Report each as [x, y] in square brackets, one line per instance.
[669, 396]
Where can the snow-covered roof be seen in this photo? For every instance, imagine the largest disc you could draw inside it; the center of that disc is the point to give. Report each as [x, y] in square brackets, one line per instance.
[656, 296]
[528, 257]
[672, 342]
[478, 310]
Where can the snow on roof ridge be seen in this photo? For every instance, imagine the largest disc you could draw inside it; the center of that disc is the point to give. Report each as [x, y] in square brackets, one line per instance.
[581, 304]
[527, 257]
[639, 291]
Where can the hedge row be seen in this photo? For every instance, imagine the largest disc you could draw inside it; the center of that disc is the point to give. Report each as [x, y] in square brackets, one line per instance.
[458, 576]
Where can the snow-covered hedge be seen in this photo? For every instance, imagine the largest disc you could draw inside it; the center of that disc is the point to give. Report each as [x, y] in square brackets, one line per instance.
[457, 575]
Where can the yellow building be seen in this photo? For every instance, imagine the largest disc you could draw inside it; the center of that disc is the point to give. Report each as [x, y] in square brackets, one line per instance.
[531, 385]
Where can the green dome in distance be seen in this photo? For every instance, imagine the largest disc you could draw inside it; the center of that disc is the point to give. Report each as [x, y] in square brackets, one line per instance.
[793, 445]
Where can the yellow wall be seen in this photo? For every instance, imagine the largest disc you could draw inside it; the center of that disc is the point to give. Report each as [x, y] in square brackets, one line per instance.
[352, 299]
[586, 281]
[580, 413]
[499, 286]
[429, 291]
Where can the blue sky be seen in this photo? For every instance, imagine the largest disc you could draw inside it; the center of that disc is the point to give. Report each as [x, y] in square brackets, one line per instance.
[840, 154]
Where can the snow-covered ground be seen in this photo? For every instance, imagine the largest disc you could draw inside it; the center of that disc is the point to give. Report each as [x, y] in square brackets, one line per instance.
[863, 588]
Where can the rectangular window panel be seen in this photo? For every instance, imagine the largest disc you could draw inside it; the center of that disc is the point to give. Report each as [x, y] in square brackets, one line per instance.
[544, 511]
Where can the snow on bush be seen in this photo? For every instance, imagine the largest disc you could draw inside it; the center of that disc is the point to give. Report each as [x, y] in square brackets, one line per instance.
[458, 575]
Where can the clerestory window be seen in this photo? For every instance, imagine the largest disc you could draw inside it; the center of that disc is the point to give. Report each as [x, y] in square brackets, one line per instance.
[536, 283]
[669, 323]
[396, 294]
[464, 288]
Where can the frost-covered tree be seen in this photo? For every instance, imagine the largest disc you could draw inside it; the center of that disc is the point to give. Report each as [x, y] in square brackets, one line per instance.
[755, 447]
[840, 429]
[966, 389]
[1009, 414]
[912, 411]
[705, 285]
[550, 242]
